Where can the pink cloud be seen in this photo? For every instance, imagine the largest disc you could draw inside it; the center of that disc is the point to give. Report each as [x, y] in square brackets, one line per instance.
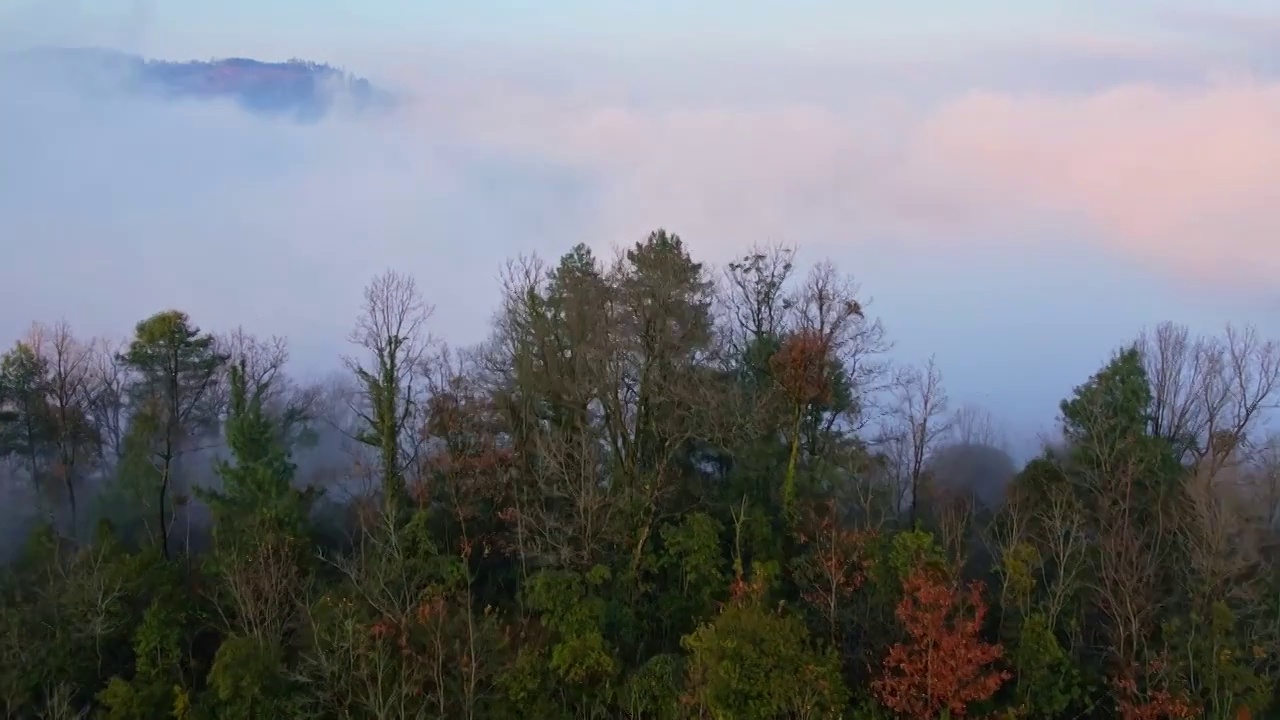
[1188, 178]
[1185, 179]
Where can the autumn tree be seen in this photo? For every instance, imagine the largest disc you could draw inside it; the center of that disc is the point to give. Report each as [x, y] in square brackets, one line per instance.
[829, 305]
[466, 475]
[802, 367]
[827, 366]
[944, 666]
[648, 495]
[832, 568]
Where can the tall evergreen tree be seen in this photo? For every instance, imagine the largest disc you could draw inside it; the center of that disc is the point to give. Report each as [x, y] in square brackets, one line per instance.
[257, 483]
[176, 366]
[25, 429]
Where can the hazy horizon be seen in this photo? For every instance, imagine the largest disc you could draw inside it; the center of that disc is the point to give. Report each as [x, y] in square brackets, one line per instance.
[1020, 192]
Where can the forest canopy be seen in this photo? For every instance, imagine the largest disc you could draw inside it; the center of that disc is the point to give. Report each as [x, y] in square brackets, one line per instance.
[658, 490]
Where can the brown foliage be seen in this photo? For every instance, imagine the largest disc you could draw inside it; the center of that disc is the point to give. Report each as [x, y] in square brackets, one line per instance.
[801, 366]
[944, 665]
[835, 566]
[1133, 702]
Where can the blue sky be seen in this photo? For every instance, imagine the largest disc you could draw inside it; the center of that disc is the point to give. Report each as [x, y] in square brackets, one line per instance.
[814, 28]
[1021, 186]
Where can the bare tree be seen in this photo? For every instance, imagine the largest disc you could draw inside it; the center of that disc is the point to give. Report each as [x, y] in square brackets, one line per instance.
[1119, 480]
[263, 586]
[262, 359]
[753, 297]
[915, 425]
[973, 425]
[542, 369]
[109, 402]
[72, 392]
[392, 333]
[1263, 481]
[1059, 529]
[1242, 392]
[294, 406]
[1209, 394]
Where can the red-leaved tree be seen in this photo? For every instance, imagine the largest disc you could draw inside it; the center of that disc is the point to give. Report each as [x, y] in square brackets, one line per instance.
[802, 369]
[834, 567]
[945, 665]
[1140, 694]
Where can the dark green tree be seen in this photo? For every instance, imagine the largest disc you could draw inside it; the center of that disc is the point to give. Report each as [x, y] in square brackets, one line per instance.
[176, 368]
[257, 483]
[25, 428]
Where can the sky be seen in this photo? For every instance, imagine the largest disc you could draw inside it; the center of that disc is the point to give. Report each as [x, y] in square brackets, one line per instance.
[1019, 187]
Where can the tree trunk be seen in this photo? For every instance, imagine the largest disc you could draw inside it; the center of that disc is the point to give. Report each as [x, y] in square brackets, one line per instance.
[164, 514]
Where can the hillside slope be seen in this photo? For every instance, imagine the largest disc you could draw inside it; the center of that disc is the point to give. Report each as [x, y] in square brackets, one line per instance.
[301, 89]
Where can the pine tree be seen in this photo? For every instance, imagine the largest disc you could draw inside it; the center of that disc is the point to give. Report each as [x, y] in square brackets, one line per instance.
[258, 483]
[25, 429]
[177, 367]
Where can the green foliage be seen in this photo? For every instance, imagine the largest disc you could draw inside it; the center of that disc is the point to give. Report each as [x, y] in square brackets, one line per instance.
[693, 567]
[1019, 567]
[1112, 408]
[601, 514]
[1224, 669]
[1107, 424]
[749, 663]
[654, 689]
[911, 550]
[258, 485]
[159, 645]
[176, 364]
[26, 423]
[1046, 684]
[247, 680]
[569, 607]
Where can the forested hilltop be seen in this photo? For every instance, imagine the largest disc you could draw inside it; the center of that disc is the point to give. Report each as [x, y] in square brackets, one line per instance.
[658, 491]
[299, 89]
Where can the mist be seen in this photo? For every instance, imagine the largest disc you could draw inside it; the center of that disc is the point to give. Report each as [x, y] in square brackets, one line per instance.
[138, 204]
[1020, 270]
[991, 204]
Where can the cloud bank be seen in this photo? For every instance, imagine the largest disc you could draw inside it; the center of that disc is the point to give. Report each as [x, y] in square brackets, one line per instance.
[1130, 155]
[1184, 177]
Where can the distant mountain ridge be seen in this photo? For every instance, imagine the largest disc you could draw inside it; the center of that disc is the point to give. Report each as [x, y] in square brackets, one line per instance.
[301, 89]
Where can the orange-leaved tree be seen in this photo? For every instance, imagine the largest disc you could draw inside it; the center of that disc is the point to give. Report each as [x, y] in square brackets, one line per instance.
[1142, 692]
[802, 368]
[944, 665]
[834, 566]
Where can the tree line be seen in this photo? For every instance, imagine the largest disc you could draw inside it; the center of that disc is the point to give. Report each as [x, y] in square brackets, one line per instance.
[658, 490]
